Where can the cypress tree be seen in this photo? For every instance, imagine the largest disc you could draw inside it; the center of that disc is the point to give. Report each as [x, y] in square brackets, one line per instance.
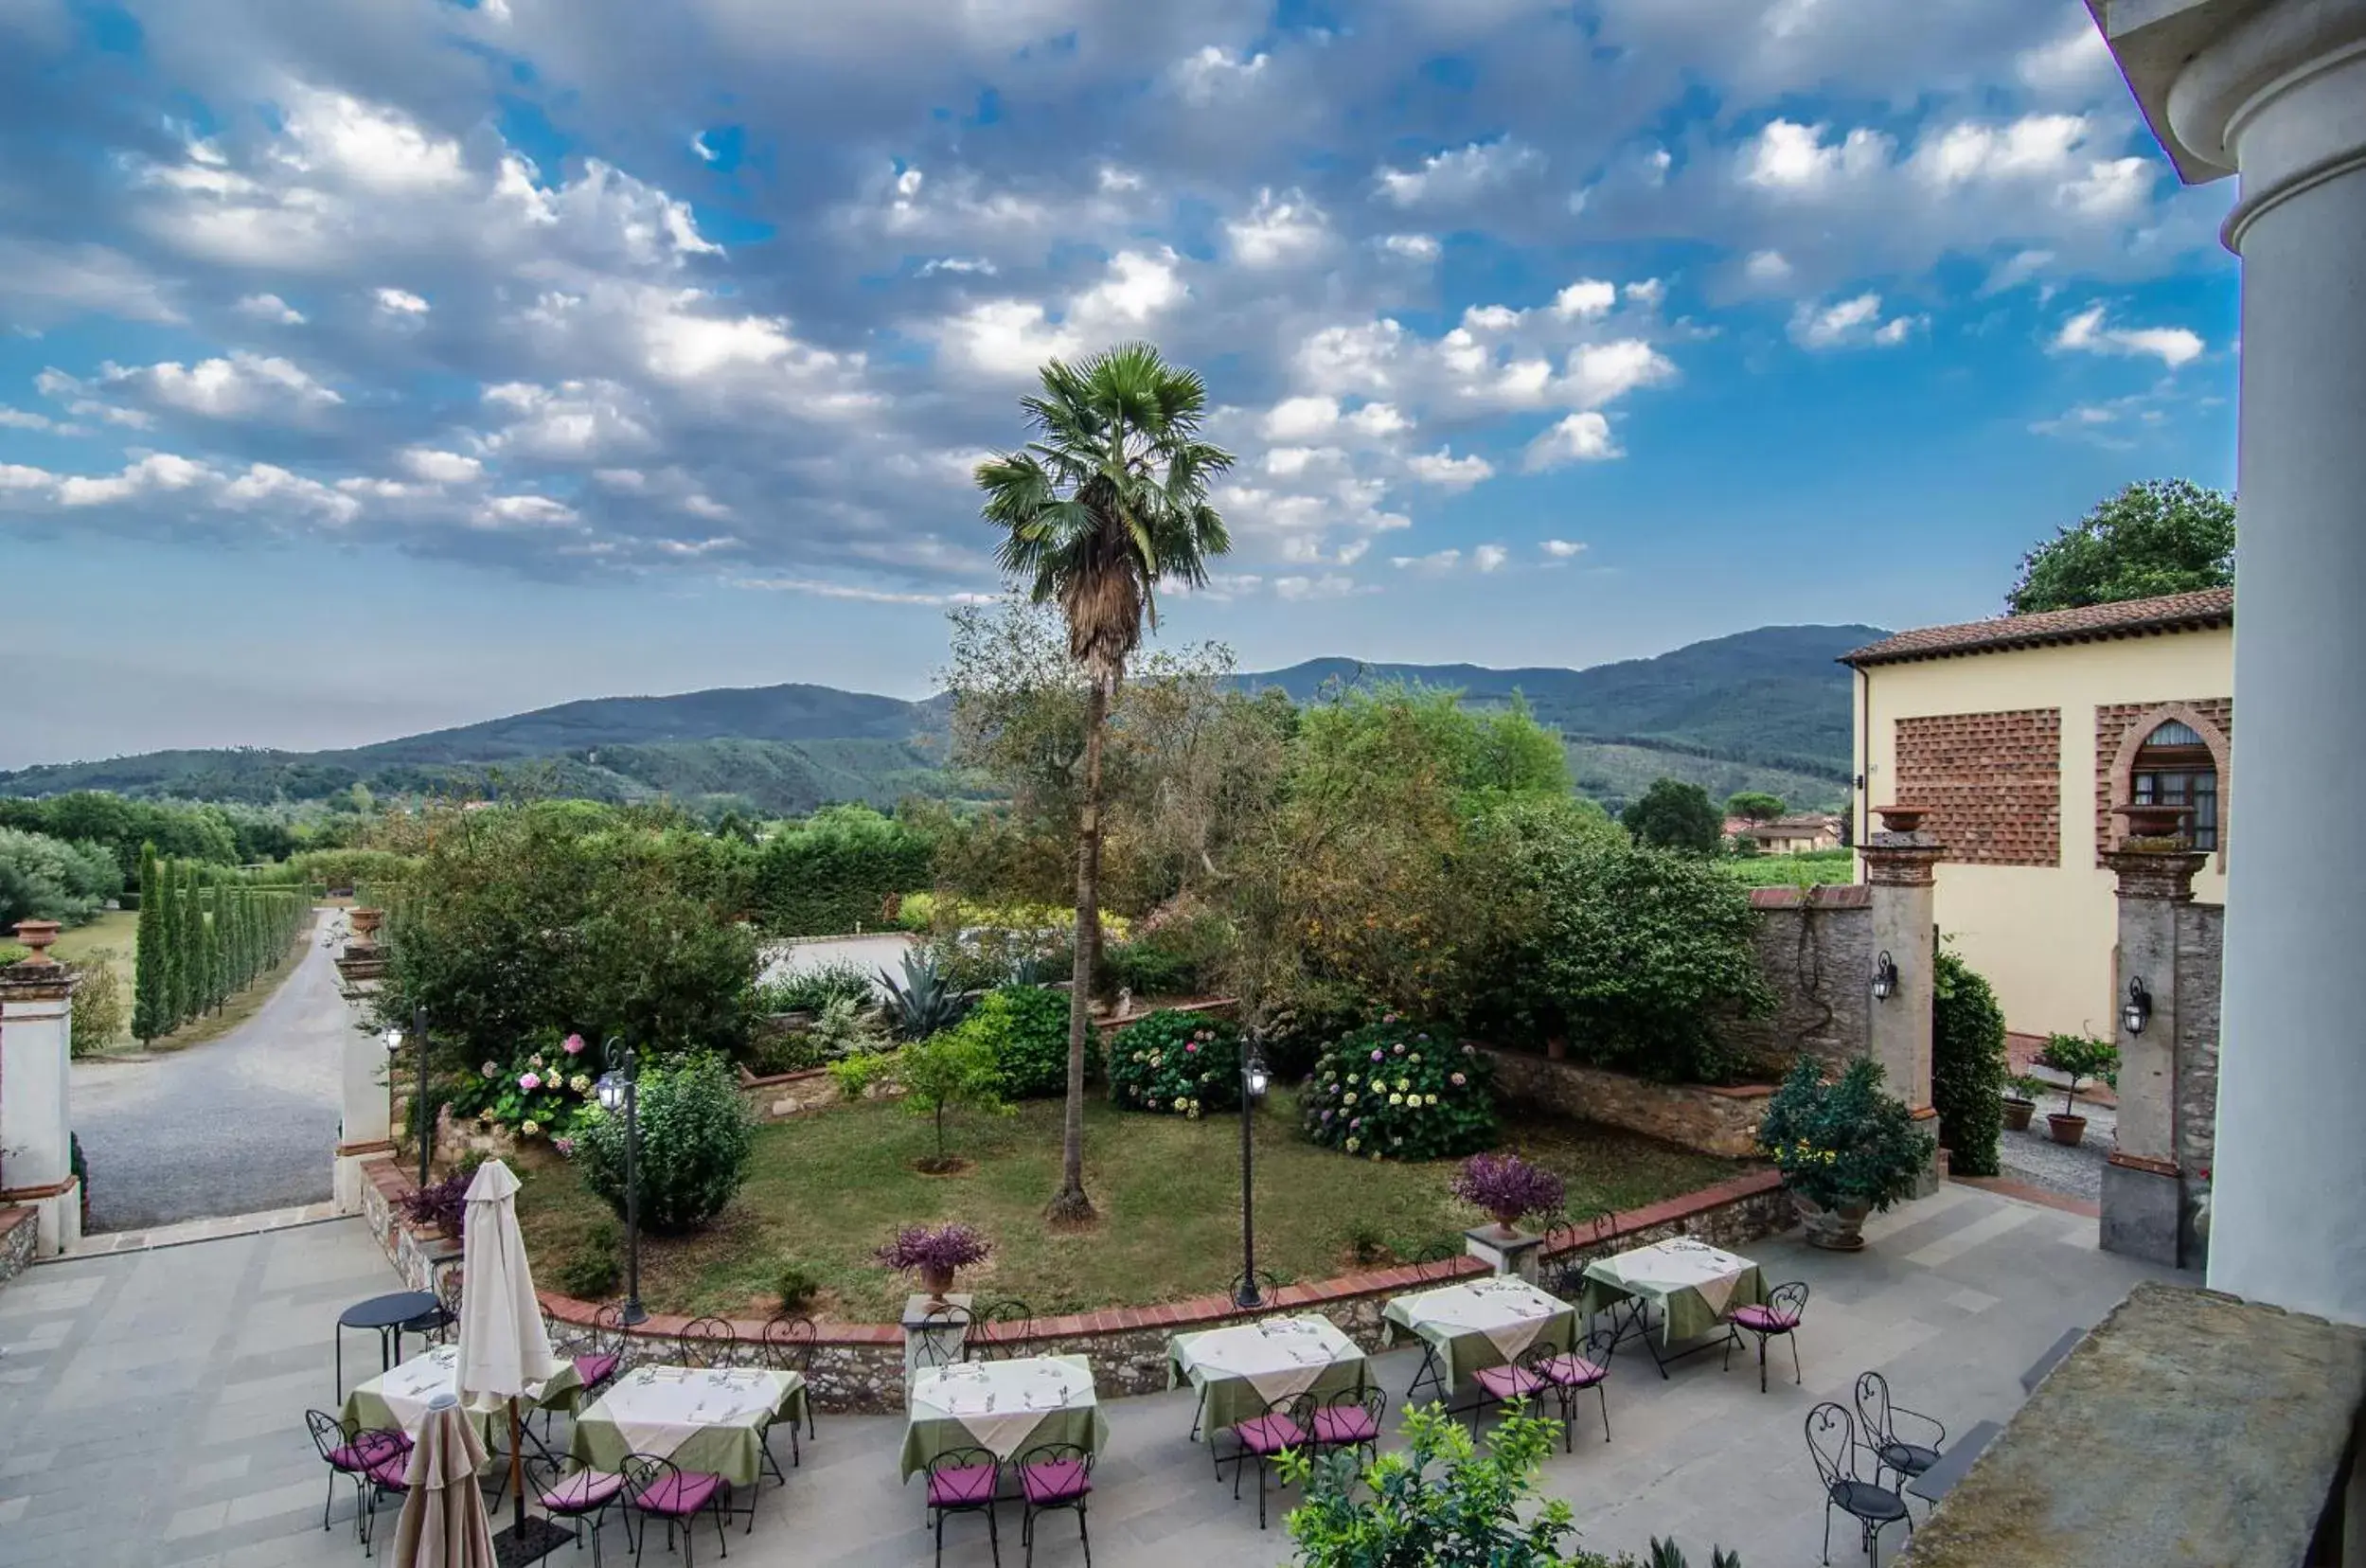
[168, 942]
[148, 992]
[242, 934]
[218, 948]
[191, 909]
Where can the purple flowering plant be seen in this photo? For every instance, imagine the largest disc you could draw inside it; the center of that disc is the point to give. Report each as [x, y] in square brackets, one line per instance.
[954, 1245]
[1507, 1188]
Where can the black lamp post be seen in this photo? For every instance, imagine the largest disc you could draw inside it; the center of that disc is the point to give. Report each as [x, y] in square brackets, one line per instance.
[619, 1089]
[1253, 1081]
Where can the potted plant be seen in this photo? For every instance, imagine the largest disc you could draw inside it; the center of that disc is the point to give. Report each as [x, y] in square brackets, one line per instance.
[1508, 1189]
[2021, 1102]
[934, 1252]
[2082, 1060]
[1845, 1148]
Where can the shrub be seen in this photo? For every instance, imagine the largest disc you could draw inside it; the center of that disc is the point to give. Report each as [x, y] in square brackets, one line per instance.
[798, 1285]
[1025, 1029]
[857, 1073]
[98, 1000]
[696, 1141]
[1392, 1090]
[1177, 1064]
[1845, 1142]
[2082, 1059]
[948, 1246]
[442, 1203]
[1967, 1067]
[948, 1072]
[810, 991]
[1506, 1187]
[538, 1093]
[11, 952]
[593, 1269]
[837, 871]
[48, 879]
[1175, 951]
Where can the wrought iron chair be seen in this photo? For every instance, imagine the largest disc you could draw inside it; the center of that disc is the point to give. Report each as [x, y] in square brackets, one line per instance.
[1570, 1244]
[1832, 1443]
[439, 1323]
[1588, 1366]
[369, 1457]
[1522, 1378]
[1434, 1263]
[944, 1336]
[1351, 1420]
[788, 1346]
[708, 1342]
[963, 1480]
[1287, 1425]
[994, 1330]
[579, 1494]
[1778, 1317]
[1054, 1475]
[600, 1350]
[1907, 1454]
[658, 1488]
[1269, 1286]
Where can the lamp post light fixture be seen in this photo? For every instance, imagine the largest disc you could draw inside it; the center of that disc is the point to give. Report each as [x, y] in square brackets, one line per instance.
[619, 1089]
[1255, 1080]
[392, 1039]
[1884, 977]
[2137, 1010]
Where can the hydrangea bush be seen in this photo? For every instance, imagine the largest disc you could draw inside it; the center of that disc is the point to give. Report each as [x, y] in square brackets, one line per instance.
[1178, 1064]
[1396, 1091]
[539, 1094]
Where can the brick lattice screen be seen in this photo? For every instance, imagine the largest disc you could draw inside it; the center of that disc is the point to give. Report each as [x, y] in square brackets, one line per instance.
[1991, 781]
[2111, 723]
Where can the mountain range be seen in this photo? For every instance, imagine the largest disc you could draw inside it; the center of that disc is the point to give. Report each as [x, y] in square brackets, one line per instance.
[1765, 709]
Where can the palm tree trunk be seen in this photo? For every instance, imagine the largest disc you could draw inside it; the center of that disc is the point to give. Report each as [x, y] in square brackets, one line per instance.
[1070, 1204]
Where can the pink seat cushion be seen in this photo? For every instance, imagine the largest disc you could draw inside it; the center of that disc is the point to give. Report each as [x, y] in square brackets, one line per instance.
[1054, 1481]
[368, 1448]
[581, 1491]
[595, 1369]
[1574, 1372]
[678, 1493]
[1509, 1382]
[1764, 1320]
[387, 1471]
[1344, 1424]
[1269, 1434]
[958, 1486]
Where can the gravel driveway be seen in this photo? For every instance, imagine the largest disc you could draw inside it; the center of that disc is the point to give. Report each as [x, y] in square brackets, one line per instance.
[245, 1122]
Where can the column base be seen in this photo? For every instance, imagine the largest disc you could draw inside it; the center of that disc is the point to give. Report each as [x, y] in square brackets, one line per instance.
[2144, 1210]
[59, 1229]
[1506, 1255]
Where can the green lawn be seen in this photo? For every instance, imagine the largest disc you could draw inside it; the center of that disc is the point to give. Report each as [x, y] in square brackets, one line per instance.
[827, 1189]
[117, 930]
[1813, 868]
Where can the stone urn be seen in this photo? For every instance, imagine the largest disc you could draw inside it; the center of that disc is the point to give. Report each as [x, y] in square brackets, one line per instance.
[37, 934]
[1838, 1229]
[1902, 819]
[365, 923]
[2152, 823]
[1507, 1223]
[937, 1279]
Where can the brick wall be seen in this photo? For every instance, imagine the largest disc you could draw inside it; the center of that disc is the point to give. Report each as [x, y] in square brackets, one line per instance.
[1991, 781]
[1816, 954]
[2111, 726]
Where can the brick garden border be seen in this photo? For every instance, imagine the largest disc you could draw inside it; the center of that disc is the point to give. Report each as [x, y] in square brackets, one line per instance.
[858, 1367]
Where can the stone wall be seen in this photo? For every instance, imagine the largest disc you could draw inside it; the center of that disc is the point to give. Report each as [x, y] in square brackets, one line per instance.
[1722, 1121]
[2200, 935]
[20, 1229]
[1816, 952]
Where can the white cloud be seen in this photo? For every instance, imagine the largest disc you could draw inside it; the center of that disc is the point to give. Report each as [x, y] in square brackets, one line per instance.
[2077, 62]
[1447, 471]
[1589, 298]
[1853, 322]
[526, 512]
[1487, 558]
[1649, 292]
[1007, 338]
[1329, 585]
[2015, 270]
[1434, 562]
[242, 387]
[821, 589]
[1788, 155]
[977, 265]
[441, 467]
[1581, 438]
[18, 476]
[1213, 74]
[1139, 287]
[1284, 231]
[271, 308]
[1413, 247]
[1458, 175]
[24, 418]
[2086, 332]
[401, 302]
[1561, 549]
[1767, 268]
[575, 422]
[158, 471]
[376, 147]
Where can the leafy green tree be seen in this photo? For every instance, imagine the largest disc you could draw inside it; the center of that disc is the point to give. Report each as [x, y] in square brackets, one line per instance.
[1673, 814]
[151, 997]
[1755, 805]
[835, 872]
[1967, 1065]
[1108, 499]
[42, 878]
[697, 1138]
[954, 1071]
[2158, 536]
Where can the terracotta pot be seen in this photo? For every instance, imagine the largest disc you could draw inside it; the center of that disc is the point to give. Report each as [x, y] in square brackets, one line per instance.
[1832, 1229]
[2066, 1130]
[2017, 1115]
[1901, 819]
[937, 1279]
[1507, 1223]
[2154, 820]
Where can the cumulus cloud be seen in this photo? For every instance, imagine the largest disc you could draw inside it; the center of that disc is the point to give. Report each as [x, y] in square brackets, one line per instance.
[1488, 557]
[1284, 231]
[271, 309]
[2087, 332]
[1855, 323]
[1450, 473]
[1459, 175]
[1583, 438]
[1560, 549]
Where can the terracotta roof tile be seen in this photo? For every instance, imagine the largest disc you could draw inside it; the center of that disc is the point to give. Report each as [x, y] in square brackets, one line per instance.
[2210, 607]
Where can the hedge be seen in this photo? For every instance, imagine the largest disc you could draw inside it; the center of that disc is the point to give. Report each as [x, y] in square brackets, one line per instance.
[836, 871]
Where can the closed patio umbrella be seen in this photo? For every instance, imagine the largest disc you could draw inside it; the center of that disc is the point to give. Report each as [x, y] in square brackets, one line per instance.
[443, 1524]
[504, 1349]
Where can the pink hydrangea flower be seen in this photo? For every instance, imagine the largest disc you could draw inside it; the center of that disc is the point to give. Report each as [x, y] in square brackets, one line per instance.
[1458, 1080]
[530, 1081]
[1191, 1046]
[1377, 1055]
[573, 1045]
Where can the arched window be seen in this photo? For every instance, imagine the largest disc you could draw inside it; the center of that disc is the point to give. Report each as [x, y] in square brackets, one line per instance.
[2173, 767]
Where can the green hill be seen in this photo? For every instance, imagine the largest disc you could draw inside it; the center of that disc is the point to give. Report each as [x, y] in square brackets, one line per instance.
[1766, 709]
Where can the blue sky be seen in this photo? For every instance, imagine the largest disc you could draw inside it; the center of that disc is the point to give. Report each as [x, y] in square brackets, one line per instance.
[390, 363]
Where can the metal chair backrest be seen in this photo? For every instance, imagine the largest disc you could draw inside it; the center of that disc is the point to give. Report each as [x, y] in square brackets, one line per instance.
[708, 1342]
[994, 1329]
[1373, 1402]
[1873, 1407]
[1789, 1300]
[1298, 1409]
[788, 1343]
[328, 1433]
[607, 1336]
[1056, 1453]
[967, 1458]
[1437, 1261]
[449, 1286]
[1598, 1346]
[1832, 1441]
[944, 1336]
[1535, 1359]
[647, 1472]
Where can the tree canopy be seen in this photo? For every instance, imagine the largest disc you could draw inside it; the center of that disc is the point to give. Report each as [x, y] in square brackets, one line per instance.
[1755, 805]
[1673, 814]
[2158, 536]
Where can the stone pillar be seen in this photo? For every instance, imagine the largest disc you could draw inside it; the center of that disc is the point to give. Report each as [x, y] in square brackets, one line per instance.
[366, 1128]
[36, 1129]
[2143, 1188]
[1899, 858]
[2275, 91]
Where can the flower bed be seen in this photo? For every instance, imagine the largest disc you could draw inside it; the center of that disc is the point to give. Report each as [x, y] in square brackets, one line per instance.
[1177, 1064]
[1392, 1090]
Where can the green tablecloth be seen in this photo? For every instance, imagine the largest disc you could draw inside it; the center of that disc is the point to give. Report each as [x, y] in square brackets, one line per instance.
[399, 1399]
[1006, 1407]
[708, 1422]
[1245, 1369]
[1482, 1323]
[1693, 1284]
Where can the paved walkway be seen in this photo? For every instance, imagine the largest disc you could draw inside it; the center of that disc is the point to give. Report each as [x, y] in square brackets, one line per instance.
[152, 1410]
[246, 1121]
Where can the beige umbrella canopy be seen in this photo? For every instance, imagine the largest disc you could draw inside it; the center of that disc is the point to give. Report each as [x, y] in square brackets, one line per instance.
[443, 1524]
[505, 1351]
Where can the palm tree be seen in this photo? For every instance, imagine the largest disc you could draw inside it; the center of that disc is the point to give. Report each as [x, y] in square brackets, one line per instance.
[1108, 498]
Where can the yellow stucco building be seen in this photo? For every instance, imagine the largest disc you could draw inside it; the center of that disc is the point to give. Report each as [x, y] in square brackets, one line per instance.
[2020, 735]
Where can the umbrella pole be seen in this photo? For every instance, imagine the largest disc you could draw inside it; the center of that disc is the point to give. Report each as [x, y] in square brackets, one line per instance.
[517, 1469]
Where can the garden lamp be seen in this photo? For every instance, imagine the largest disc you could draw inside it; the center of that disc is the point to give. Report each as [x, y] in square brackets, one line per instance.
[2137, 1010]
[1254, 1079]
[392, 1039]
[618, 1089]
[1884, 977]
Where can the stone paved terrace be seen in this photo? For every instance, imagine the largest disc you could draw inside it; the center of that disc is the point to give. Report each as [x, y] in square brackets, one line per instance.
[151, 1407]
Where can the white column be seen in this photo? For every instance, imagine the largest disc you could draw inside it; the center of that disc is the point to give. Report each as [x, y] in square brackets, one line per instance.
[2278, 93]
[36, 1023]
[364, 1128]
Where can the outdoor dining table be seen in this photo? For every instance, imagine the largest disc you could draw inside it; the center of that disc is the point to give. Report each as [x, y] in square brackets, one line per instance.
[1476, 1323]
[1245, 1369]
[707, 1421]
[400, 1399]
[1693, 1284]
[1004, 1407]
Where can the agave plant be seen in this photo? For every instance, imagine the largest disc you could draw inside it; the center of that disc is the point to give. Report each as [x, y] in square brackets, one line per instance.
[923, 1003]
[1664, 1553]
